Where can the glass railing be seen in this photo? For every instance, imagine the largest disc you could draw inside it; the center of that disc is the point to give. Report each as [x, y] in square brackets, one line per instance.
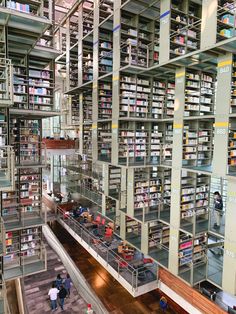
[135, 277]
[87, 193]
[7, 168]
[30, 154]
[19, 265]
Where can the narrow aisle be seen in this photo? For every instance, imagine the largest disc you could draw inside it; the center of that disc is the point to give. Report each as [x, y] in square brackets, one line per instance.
[37, 287]
[116, 299]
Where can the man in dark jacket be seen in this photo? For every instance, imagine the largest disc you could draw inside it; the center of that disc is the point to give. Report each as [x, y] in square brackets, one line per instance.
[62, 295]
[218, 208]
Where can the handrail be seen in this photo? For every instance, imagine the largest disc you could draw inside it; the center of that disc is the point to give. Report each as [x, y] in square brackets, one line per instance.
[110, 254]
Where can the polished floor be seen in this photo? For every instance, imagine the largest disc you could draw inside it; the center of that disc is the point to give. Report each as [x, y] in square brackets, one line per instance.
[115, 298]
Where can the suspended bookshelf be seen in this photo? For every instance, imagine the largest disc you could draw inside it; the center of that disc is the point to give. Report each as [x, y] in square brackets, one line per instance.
[87, 106]
[104, 141]
[20, 81]
[75, 112]
[88, 6]
[41, 88]
[105, 9]
[185, 27]
[25, 137]
[198, 143]
[233, 87]
[87, 60]
[105, 50]
[199, 93]
[3, 127]
[225, 20]
[105, 99]
[114, 182]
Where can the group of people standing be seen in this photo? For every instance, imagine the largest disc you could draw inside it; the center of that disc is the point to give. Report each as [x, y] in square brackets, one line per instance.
[60, 290]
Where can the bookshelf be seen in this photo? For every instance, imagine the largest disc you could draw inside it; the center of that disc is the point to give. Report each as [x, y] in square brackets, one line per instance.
[9, 206]
[199, 93]
[21, 88]
[105, 50]
[73, 67]
[233, 87]
[114, 182]
[3, 127]
[87, 106]
[133, 143]
[167, 144]
[22, 247]
[225, 20]
[41, 88]
[184, 27]
[134, 96]
[105, 99]
[198, 143]
[232, 147]
[133, 232]
[104, 141]
[158, 242]
[34, 8]
[147, 193]
[105, 9]
[30, 191]
[192, 255]
[26, 139]
[75, 112]
[88, 7]
[195, 194]
[87, 142]
[87, 59]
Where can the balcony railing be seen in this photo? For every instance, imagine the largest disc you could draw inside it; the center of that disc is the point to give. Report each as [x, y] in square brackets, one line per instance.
[7, 168]
[137, 280]
[87, 193]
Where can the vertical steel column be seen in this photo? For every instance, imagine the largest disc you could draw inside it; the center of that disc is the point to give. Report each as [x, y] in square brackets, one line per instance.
[223, 97]
[176, 169]
[116, 80]
[95, 81]
[164, 48]
[209, 23]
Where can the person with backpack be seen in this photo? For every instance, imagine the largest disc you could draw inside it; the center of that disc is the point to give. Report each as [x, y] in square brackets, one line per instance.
[62, 295]
[218, 209]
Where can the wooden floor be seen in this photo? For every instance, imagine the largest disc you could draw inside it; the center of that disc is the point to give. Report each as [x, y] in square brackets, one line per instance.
[116, 299]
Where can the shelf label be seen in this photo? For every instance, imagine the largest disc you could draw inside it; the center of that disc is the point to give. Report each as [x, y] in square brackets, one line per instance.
[116, 28]
[221, 127]
[224, 63]
[94, 126]
[95, 43]
[164, 17]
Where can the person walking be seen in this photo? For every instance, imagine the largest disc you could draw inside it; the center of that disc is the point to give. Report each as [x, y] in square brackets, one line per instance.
[163, 304]
[62, 295]
[58, 281]
[218, 209]
[68, 284]
[53, 296]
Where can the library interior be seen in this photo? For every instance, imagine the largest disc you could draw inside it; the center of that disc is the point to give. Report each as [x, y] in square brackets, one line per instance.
[118, 156]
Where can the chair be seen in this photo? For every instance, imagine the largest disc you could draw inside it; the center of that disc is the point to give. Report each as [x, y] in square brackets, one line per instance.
[97, 221]
[108, 235]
